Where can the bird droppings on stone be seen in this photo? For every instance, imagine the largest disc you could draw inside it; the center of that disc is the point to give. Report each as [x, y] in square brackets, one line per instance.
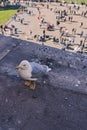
[69, 105]
[6, 100]
[19, 122]
[79, 82]
[66, 98]
[76, 85]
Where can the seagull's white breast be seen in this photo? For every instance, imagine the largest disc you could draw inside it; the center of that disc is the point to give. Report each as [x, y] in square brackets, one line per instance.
[25, 74]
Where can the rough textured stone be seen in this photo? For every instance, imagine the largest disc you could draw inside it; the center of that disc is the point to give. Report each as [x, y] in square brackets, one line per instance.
[55, 103]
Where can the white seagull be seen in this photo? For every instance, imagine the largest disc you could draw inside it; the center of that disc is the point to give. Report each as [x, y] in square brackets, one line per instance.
[30, 71]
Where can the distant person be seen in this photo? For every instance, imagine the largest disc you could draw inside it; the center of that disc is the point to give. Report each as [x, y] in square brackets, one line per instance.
[81, 24]
[81, 34]
[57, 22]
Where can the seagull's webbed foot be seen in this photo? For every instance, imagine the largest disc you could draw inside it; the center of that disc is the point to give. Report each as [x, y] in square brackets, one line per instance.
[27, 83]
[32, 85]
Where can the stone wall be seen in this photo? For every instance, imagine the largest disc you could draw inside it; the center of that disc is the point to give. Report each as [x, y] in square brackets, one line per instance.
[31, 50]
[69, 59]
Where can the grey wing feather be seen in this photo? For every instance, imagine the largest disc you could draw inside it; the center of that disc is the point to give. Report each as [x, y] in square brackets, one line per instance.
[38, 69]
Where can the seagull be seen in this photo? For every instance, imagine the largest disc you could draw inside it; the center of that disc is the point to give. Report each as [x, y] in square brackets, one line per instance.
[31, 71]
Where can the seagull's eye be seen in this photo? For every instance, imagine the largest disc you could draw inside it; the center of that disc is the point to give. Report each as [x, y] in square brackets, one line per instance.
[24, 65]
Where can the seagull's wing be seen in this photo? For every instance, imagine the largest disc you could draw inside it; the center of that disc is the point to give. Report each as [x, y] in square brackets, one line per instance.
[38, 69]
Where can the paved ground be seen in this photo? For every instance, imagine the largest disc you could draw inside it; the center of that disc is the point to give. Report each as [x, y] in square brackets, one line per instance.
[32, 23]
[58, 103]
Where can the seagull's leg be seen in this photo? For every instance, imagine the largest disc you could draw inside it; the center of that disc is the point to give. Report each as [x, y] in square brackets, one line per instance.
[27, 83]
[32, 85]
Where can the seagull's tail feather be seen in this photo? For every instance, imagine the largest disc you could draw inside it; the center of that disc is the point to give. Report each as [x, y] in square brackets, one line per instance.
[45, 68]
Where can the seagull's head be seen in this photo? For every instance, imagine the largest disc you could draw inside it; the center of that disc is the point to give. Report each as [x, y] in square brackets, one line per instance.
[24, 65]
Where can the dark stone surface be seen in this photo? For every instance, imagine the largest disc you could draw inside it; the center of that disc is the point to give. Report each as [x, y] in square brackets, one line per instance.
[59, 101]
[6, 45]
[44, 108]
[62, 74]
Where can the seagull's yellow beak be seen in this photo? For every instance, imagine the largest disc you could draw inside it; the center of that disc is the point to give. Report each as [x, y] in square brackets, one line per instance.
[18, 67]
